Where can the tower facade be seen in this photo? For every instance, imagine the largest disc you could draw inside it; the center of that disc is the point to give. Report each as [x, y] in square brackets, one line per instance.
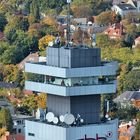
[74, 79]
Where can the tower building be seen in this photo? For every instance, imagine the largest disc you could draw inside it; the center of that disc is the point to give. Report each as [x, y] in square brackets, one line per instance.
[74, 79]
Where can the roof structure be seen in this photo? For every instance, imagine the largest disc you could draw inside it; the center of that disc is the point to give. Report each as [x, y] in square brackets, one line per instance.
[128, 96]
[125, 7]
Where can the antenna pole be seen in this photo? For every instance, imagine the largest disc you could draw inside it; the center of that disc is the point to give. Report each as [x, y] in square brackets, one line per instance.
[68, 21]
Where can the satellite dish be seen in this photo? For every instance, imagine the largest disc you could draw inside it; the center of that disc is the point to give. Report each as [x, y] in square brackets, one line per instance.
[69, 119]
[81, 120]
[55, 120]
[61, 118]
[50, 44]
[38, 114]
[49, 116]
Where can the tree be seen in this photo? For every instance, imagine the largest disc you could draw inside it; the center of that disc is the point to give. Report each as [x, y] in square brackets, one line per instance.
[41, 99]
[132, 81]
[30, 103]
[102, 40]
[81, 37]
[34, 10]
[105, 18]
[3, 22]
[44, 41]
[81, 11]
[6, 119]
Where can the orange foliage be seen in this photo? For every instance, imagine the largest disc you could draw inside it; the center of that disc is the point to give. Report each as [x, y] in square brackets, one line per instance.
[44, 41]
[41, 99]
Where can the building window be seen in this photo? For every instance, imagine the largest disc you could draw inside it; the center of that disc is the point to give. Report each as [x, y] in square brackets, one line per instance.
[19, 130]
[31, 134]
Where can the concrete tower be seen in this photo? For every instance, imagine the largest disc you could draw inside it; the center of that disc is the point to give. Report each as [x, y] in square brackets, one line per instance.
[74, 79]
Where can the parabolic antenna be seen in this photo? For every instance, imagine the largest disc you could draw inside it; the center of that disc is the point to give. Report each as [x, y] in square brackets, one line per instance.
[69, 119]
[38, 114]
[50, 44]
[49, 116]
[61, 118]
[81, 120]
[55, 120]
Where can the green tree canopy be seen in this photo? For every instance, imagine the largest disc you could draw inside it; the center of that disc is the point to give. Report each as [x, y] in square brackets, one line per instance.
[132, 81]
[6, 119]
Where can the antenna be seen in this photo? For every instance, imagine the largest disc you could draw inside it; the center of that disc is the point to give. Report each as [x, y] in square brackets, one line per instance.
[68, 21]
[49, 116]
[38, 114]
[55, 120]
[61, 118]
[69, 119]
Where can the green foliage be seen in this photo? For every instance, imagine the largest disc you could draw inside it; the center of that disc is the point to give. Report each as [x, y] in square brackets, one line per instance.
[132, 81]
[6, 119]
[34, 10]
[3, 22]
[105, 18]
[123, 55]
[30, 103]
[127, 113]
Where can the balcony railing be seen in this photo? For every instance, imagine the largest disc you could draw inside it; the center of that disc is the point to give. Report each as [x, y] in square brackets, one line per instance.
[71, 90]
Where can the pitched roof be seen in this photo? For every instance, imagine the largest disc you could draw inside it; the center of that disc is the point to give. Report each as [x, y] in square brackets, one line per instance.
[8, 85]
[126, 7]
[128, 96]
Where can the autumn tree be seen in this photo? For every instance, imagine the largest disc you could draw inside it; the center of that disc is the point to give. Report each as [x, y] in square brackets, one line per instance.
[41, 99]
[6, 119]
[81, 37]
[105, 18]
[44, 41]
[30, 103]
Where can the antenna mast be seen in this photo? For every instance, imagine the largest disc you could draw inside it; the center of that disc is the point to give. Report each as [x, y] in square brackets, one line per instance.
[68, 21]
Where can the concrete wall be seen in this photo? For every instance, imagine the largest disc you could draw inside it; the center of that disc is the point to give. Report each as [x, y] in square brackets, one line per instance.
[59, 105]
[106, 69]
[73, 57]
[87, 106]
[71, 91]
[43, 131]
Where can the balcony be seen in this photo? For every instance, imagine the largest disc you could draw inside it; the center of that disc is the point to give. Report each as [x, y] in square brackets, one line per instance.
[108, 68]
[99, 88]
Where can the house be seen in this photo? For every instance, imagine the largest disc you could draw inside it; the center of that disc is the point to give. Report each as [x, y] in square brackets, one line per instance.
[124, 9]
[19, 123]
[129, 97]
[126, 131]
[136, 42]
[9, 136]
[135, 3]
[114, 31]
[5, 104]
[33, 57]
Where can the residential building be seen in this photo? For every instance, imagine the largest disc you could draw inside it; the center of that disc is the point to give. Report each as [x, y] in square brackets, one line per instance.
[126, 131]
[9, 136]
[124, 9]
[136, 42]
[115, 31]
[19, 123]
[129, 97]
[74, 79]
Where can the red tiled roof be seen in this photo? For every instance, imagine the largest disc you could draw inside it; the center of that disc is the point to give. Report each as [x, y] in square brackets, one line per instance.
[114, 31]
[137, 39]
